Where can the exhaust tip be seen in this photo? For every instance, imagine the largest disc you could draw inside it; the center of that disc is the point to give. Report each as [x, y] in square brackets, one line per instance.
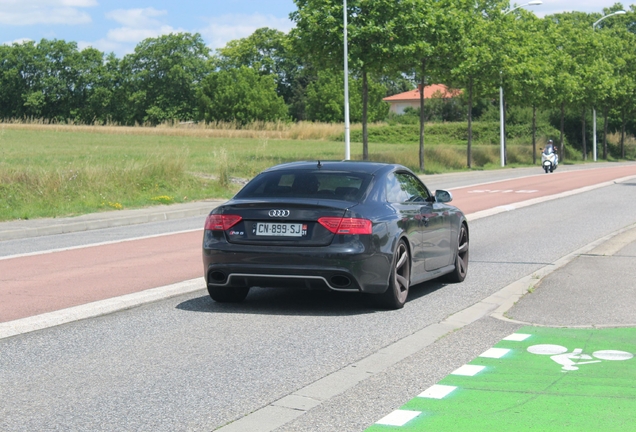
[217, 277]
[339, 281]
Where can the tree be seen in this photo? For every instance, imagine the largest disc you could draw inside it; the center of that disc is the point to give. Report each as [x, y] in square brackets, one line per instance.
[477, 66]
[162, 77]
[54, 80]
[325, 99]
[617, 49]
[240, 95]
[565, 84]
[429, 35]
[19, 75]
[527, 76]
[625, 90]
[371, 34]
[269, 52]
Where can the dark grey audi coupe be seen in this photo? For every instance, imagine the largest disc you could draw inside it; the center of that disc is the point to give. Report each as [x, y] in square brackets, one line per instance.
[343, 226]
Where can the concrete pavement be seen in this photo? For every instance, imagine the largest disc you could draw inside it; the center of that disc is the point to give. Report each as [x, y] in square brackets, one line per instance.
[595, 290]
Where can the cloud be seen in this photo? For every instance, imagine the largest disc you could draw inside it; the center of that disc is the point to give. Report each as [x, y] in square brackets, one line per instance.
[137, 25]
[137, 18]
[32, 12]
[225, 28]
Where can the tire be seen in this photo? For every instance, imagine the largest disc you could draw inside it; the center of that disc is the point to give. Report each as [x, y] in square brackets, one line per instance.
[461, 258]
[228, 294]
[400, 280]
[546, 169]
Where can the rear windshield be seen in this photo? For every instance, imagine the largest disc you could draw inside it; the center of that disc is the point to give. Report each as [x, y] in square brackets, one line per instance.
[338, 185]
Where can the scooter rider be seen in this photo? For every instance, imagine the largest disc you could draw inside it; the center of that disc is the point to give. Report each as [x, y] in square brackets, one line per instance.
[549, 157]
[551, 148]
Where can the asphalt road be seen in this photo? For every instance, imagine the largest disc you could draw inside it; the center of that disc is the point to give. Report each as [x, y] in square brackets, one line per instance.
[188, 363]
[69, 278]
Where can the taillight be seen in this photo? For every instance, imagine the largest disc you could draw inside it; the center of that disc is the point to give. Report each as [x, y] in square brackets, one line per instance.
[221, 222]
[346, 225]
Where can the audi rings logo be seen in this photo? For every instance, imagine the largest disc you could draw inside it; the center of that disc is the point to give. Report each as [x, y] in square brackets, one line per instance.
[278, 213]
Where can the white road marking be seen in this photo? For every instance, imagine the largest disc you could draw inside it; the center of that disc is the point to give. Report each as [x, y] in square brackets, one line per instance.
[570, 361]
[98, 308]
[547, 349]
[612, 355]
[517, 337]
[398, 418]
[493, 211]
[468, 370]
[437, 391]
[495, 353]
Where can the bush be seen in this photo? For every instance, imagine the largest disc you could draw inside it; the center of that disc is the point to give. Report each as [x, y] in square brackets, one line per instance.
[449, 133]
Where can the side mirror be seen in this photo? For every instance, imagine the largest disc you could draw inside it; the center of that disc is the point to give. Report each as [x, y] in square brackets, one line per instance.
[442, 196]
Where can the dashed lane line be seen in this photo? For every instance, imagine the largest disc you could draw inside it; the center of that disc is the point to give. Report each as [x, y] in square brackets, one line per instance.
[501, 209]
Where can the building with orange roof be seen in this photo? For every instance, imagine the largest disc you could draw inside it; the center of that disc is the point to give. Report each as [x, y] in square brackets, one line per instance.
[411, 98]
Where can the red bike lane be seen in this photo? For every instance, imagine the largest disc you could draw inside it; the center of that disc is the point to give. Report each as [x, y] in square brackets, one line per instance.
[32, 285]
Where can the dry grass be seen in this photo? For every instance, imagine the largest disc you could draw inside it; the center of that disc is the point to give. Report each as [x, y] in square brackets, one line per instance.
[60, 169]
[92, 185]
[615, 139]
[258, 130]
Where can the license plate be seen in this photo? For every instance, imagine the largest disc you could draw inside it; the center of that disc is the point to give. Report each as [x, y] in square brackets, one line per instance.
[280, 229]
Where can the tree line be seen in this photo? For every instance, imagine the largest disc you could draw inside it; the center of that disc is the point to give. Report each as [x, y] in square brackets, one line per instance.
[559, 64]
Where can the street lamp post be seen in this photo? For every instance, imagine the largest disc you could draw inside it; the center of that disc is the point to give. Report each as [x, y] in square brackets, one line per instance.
[502, 129]
[346, 86]
[620, 12]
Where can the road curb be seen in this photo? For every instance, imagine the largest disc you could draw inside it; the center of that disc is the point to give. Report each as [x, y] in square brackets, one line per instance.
[605, 246]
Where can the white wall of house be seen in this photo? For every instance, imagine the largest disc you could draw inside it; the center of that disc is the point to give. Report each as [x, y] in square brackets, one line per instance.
[398, 107]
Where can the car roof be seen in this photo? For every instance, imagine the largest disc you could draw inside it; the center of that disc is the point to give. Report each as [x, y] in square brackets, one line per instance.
[351, 166]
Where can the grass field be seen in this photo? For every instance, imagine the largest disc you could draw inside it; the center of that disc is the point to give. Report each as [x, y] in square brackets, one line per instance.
[60, 170]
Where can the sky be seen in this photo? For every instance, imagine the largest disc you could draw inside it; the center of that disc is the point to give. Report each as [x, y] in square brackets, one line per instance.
[118, 25]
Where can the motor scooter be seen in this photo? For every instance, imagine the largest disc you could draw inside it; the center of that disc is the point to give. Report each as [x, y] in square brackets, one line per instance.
[549, 159]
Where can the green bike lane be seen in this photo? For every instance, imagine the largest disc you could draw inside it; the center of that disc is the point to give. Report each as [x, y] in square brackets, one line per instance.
[535, 379]
[574, 369]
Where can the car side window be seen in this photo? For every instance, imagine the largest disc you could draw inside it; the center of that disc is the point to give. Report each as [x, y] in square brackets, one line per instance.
[404, 187]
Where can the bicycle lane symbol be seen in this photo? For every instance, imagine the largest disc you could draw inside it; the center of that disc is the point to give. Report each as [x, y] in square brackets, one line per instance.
[570, 361]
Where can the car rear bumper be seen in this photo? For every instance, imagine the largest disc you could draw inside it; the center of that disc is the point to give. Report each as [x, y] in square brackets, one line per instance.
[355, 265]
